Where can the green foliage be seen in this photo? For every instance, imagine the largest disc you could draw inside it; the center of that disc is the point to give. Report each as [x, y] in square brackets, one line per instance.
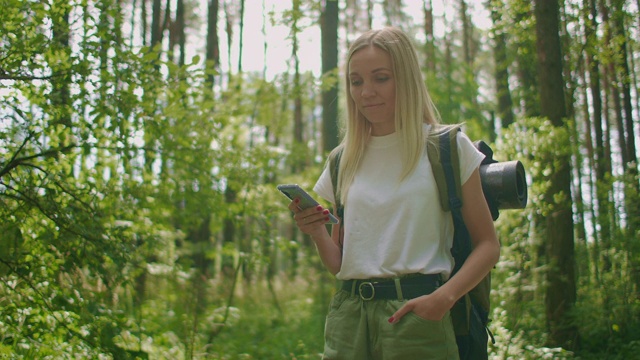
[603, 313]
[262, 333]
[139, 216]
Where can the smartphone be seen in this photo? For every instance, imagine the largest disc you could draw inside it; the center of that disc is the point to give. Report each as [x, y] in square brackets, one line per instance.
[293, 191]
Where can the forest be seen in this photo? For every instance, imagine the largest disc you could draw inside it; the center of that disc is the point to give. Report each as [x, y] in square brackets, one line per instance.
[140, 154]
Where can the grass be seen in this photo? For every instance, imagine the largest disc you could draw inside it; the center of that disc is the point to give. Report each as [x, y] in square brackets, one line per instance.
[292, 328]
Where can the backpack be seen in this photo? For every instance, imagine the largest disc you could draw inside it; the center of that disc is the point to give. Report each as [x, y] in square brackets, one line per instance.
[470, 315]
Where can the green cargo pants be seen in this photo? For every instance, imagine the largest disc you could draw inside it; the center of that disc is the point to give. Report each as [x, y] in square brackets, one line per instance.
[358, 329]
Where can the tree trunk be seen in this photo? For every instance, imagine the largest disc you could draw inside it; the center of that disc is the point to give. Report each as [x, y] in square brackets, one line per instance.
[298, 128]
[505, 103]
[144, 24]
[526, 64]
[602, 166]
[447, 114]
[156, 25]
[430, 48]
[329, 28]
[369, 13]
[561, 282]
[60, 95]
[630, 159]
[241, 41]
[229, 31]
[467, 40]
[213, 46]
[179, 33]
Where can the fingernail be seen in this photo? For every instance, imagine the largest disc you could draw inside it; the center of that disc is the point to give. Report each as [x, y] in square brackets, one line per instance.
[296, 200]
[391, 320]
[326, 219]
[326, 212]
[319, 208]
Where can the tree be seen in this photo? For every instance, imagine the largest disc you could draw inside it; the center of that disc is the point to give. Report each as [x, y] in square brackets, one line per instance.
[329, 28]
[626, 129]
[501, 73]
[430, 48]
[561, 279]
[213, 42]
[523, 42]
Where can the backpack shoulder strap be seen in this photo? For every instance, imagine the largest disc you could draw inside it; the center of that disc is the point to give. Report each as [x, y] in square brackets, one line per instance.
[334, 167]
[442, 150]
[445, 162]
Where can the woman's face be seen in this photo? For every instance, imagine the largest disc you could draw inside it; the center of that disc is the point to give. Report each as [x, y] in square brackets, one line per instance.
[373, 88]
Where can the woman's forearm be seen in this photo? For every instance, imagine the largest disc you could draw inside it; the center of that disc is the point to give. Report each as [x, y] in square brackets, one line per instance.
[328, 250]
[479, 263]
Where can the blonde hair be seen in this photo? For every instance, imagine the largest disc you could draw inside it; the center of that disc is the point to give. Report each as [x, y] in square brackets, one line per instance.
[413, 106]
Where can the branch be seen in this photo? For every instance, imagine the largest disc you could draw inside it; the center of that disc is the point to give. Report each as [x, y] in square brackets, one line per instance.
[5, 75]
[15, 161]
[24, 77]
[45, 301]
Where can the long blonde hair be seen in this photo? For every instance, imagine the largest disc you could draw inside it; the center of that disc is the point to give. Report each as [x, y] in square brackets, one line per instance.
[413, 106]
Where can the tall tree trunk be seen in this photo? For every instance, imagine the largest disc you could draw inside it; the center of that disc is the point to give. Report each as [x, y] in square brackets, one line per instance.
[613, 98]
[60, 94]
[298, 128]
[228, 15]
[602, 160]
[299, 160]
[144, 23]
[213, 43]
[630, 159]
[526, 64]
[572, 68]
[156, 23]
[447, 114]
[179, 32]
[241, 35]
[430, 48]
[329, 28]
[467, 40]
[505, 102]
[561, 282]
[369, 13]
[393, 12]
[351, 20]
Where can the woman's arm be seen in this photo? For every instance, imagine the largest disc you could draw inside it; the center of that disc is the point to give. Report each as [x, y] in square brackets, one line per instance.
[313, 222]
[485, 254]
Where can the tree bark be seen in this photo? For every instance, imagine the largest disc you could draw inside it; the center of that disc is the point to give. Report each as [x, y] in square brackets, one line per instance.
[213, 46]
[156, 24]
[241, 41]
[60, 93]
[329, 28]
[179, 33]
[298, 128]
[467, 40]
[505, 102]
[561, 280]
[430, 48]
[630, 159]
[526, 64]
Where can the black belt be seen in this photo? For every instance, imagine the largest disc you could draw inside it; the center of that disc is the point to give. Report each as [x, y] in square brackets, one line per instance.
[397, 288]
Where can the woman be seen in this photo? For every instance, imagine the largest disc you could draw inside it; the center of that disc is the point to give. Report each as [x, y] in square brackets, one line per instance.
[394, 233]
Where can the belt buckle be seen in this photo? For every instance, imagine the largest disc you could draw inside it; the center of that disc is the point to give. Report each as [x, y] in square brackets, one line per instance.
[362, 286]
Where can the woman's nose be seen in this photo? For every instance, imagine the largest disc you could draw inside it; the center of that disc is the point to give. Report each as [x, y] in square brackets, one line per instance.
[368, 91]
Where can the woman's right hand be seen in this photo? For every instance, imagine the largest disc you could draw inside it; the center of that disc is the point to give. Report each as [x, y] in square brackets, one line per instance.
[310, 221]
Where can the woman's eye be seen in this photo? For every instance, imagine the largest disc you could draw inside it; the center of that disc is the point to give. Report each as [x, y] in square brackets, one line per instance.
[356, 82]
[382, 79]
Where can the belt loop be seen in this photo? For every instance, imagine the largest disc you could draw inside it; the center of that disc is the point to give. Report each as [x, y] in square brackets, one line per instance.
[353, 287]
[398, 288]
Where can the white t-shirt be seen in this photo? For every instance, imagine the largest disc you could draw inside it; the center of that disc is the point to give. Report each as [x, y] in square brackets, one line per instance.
[394, 228]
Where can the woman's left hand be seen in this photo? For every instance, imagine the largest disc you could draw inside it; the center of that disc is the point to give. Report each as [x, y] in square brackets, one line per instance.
[431, 307]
